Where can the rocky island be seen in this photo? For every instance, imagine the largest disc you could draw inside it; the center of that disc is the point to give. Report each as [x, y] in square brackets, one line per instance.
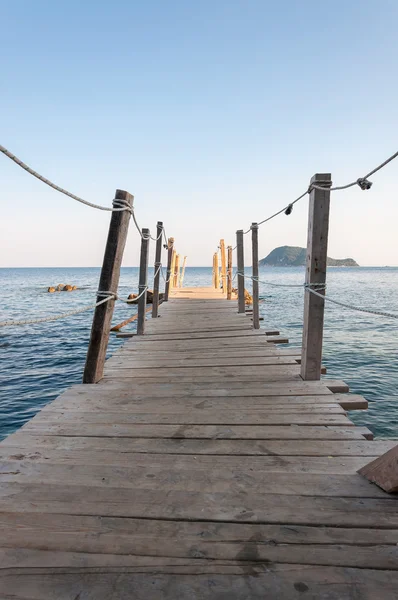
[294, 256]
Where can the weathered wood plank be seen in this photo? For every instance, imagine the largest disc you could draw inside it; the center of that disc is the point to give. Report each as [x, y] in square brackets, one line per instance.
[190, 476]
[190, 579]
[222, 541]
[238, 507]
[202, 446]
[248, 432]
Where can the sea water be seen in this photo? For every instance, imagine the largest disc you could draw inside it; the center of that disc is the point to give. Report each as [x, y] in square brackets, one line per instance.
[38, 362]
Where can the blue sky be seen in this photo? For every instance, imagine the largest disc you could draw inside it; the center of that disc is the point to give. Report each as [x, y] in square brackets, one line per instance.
[213, 114]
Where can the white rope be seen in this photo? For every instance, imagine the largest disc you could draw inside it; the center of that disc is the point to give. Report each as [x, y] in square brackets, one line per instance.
[362, 182]
[297, 285]
[116, 208]
[162, 273]
[106, 295]
[352, 307]
[54, 317]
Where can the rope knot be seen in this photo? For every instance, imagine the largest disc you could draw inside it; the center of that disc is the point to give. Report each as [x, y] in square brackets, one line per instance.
[121, 205]
[109, 295]
[364, 184]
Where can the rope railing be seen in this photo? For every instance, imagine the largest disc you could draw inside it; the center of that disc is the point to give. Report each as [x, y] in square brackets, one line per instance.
[105, 295]
[362, 182]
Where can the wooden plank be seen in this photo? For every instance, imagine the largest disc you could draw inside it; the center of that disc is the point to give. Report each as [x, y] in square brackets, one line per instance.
[370, 513]
[135, 389]
[202, 446]
[192, 578]
[209, 478]
[222, 541]
[201, 418]
[156, 430]
[189, 477]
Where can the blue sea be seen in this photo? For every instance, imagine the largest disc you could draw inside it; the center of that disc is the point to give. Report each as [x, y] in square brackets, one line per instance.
[38, 362]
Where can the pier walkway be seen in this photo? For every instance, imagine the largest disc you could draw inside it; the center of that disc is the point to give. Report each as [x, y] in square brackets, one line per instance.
[200, 467]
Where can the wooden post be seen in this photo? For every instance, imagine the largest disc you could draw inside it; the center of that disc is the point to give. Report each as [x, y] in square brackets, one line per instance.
[173, 263]
[158, 264]
[256, 315]
[143, 281]
[170, 244]
[109, 281]
[214, 270]
[183, 271]
[229, 273]
[223, 267]
[241, 269]
[317, 245]
[217, 272]
[177, 271]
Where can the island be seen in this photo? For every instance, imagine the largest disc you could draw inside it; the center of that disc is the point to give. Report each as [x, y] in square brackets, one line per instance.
[293, 256]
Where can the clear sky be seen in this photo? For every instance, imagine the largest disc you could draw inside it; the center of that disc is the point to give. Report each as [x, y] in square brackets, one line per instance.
[213, 114]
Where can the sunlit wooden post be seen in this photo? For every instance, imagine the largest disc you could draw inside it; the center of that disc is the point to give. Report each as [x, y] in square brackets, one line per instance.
[109, 281]
[173, 264]
[170, 244]
[241, 271]
[183, 271]
[217, 272]
[143, 281]
[256, 315]
[229, 273]
[158, 264]
[177, 271]
[317, 245]
[223, 267]
[214, 270]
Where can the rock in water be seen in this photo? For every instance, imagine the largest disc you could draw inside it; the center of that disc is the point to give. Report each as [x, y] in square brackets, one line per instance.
[51, 290]
[67, 288]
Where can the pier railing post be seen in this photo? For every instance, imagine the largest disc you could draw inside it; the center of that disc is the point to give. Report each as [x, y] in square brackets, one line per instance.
[214, 270]
[317, 245]
[109, 281]
[183, 271]
[256, 315]
[229, 273]
[158, 264]
[241, 269]
[177, 271]
[223, 267]
[143, 281]
[170, 244]
[217, 271]
[173, 267]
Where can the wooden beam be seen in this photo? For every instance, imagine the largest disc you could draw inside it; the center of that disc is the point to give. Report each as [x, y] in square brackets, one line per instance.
[217, 271]
[143, 281]
[317, 245]
[184, 264]
[229, 273]
[223, 267]
[256, 315]
[158, 264]
[109, 281]
[241, 271]
[170, 244]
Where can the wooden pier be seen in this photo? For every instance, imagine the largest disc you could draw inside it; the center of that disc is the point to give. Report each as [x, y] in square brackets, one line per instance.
[201, 466]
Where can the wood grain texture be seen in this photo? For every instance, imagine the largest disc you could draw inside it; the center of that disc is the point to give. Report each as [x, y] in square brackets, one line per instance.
[200, 466]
